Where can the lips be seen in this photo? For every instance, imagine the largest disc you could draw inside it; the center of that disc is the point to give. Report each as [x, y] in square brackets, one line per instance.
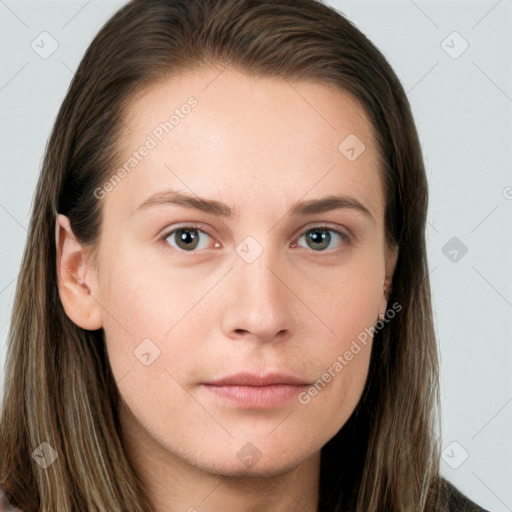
[256, 379]
[255, 390]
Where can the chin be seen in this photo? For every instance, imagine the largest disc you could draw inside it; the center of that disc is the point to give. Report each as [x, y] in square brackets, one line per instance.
[247, 461]
[268, 469]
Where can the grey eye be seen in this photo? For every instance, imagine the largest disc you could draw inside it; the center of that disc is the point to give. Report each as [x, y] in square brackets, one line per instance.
[320, 238]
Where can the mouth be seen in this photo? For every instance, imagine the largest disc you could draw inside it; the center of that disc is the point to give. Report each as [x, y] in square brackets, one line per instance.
[256, 391]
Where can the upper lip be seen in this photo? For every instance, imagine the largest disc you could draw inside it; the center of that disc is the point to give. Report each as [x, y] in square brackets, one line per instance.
[257, 379]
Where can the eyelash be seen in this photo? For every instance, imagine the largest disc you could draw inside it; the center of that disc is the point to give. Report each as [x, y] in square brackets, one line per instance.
[345, 238]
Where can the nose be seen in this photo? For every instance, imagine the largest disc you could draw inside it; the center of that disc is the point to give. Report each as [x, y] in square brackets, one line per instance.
[259, 301]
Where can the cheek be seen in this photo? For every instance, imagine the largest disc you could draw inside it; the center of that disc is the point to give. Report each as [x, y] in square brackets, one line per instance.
[136, 314]
[349, 308]
[151, 323]
[342, 362]
[148, 342]
[350, 305]
[142, 299]
[337, 390]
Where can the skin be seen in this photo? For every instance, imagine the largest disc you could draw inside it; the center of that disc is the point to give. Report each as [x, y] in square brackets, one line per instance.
[259, 145]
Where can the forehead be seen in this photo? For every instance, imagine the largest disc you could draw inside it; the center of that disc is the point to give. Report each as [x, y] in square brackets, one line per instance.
[223, 133]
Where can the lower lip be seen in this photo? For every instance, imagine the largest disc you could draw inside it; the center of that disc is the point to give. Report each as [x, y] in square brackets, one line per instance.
[257, 397]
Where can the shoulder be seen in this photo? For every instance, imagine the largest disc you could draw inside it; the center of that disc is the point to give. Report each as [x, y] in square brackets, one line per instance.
[5, 504]
[455, 500]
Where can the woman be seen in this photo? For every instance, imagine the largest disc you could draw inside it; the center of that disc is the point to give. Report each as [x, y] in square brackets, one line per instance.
[224, 300]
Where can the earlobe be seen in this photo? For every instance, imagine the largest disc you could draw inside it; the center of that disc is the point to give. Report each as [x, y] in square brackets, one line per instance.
[73, 279]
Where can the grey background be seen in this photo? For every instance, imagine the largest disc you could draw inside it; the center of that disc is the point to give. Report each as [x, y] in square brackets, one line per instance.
[462, 103]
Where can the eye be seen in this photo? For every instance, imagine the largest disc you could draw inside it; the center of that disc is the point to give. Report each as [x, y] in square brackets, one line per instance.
[186, 238]
[320, 237]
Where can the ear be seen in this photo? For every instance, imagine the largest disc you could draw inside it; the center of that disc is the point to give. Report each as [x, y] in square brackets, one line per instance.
[391, 259]
[75, 278]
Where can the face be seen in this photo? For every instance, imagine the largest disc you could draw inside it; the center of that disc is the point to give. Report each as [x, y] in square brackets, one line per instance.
[248, 271]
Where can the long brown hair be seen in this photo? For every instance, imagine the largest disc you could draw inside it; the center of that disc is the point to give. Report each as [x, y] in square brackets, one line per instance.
[59, 387]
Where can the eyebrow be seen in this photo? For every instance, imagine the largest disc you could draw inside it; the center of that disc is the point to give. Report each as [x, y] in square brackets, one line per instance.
[214, 207]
